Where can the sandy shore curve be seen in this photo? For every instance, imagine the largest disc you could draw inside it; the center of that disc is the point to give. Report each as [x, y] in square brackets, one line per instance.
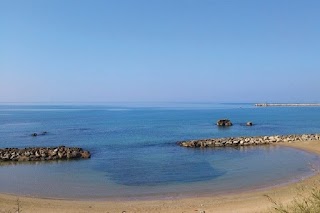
[246, 202]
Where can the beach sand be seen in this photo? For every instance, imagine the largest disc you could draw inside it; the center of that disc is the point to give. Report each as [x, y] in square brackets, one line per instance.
[250, 201]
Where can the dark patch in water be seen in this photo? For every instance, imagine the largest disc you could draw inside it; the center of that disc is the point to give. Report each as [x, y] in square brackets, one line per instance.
[138, 173]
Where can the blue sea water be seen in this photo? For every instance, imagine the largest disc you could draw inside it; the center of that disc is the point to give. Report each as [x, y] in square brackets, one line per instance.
[134, 150]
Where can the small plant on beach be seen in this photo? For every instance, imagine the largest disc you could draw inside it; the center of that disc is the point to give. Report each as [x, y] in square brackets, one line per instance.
[309, 203]
[18, 208]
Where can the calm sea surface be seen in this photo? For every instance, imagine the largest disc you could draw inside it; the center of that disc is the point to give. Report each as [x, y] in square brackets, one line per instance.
[134, 151]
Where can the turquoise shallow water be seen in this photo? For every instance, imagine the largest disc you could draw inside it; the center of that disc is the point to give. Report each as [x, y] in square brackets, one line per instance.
[134, 151]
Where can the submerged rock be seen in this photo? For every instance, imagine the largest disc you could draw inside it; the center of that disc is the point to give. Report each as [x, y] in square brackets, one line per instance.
[37, 134]
[44, 133]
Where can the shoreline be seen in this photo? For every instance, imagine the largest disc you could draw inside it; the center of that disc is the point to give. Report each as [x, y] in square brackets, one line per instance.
[234, 202]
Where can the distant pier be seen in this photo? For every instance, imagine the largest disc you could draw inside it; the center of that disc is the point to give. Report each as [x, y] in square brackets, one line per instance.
[287, 105]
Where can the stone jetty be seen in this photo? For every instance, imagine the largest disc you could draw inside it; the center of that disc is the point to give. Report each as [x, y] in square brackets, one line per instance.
[287, 105]
[247, 141]
[43, 154]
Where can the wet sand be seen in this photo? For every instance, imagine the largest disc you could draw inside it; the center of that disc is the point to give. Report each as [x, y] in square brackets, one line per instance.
[250, 201]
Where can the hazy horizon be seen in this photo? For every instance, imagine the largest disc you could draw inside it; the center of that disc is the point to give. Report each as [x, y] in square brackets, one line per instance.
[159, 51]
[149, 104]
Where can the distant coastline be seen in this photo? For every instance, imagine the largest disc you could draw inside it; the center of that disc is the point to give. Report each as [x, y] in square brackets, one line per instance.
[287, 105]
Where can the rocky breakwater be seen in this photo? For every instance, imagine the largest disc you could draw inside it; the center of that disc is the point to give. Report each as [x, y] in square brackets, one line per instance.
[43, 154]
[246, 141]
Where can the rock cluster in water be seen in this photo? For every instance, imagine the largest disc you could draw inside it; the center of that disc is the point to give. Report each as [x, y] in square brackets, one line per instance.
[43, 154]
[224, 122]
[245, 141]
[37, 134]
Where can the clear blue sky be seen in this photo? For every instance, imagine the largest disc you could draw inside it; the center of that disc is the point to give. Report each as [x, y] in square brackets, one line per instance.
[160, 50]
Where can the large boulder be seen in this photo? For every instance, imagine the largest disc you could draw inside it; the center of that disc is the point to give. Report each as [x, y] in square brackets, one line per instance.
[224, 122]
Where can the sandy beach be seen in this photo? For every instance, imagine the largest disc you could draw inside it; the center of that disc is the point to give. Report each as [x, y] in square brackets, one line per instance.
[250, 201]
